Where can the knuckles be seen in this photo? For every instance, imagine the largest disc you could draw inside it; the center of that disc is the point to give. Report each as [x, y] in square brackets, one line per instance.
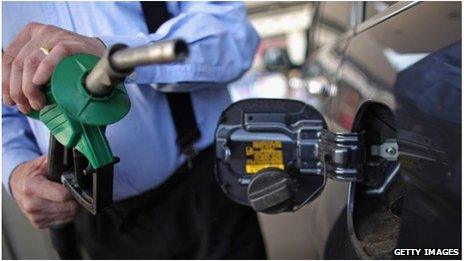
[32, 26]
[28, 188]
[74, 208]
[36, 222]
[18, 64]
[7, 59]
[32, 61]
[61, 196]
[56, 38]
[46, 29]
[66, 49]
[47, 64]
[16, 96]
[30, 207]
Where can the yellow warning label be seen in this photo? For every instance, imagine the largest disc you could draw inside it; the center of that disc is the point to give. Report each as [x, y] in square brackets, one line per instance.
[263, 154]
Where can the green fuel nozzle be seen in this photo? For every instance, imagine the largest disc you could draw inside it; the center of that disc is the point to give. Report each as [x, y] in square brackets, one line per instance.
[86, 93]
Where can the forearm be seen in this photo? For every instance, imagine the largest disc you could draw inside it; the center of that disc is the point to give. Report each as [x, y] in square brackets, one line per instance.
[221, 40]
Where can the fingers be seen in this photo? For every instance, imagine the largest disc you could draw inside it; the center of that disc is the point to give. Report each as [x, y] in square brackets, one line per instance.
[25, 68]
[33, 91]
[37, 184]
[6, 68]
[40, 186]
[42, 206]
[22, 71]
[22, 58]
[43, 202]
[41, 161]
[37, 166]
[15, 89]
[46, 221]
[65, 220]
[48, 64]
[9, 56]
[67, 208]
[43, 213]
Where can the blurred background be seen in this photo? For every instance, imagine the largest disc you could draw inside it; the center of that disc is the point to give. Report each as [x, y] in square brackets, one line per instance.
[284, 30]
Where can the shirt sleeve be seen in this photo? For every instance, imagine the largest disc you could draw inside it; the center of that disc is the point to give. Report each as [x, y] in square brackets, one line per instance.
[18, 143]
[222, 44]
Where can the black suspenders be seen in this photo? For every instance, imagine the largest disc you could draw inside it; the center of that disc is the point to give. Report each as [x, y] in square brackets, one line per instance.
[180, 103]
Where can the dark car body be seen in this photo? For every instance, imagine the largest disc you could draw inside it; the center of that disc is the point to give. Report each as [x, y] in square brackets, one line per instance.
[394, 74]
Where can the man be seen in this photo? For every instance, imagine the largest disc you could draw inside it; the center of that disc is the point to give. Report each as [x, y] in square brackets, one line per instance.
[165, 207]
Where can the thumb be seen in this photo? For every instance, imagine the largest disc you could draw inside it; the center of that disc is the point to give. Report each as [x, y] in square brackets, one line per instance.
[39, 166]
[41, 161]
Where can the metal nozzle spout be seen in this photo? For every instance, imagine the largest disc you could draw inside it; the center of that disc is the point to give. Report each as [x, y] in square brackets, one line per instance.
[119, 61]
[160, 52]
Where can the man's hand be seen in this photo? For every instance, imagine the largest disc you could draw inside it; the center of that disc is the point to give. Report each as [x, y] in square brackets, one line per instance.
[45, 203]
[26, 67]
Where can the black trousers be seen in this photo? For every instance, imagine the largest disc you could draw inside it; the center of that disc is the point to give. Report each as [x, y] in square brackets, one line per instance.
[188, 217]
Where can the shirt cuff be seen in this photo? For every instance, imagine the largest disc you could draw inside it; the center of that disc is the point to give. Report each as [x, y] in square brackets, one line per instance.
[11, 160]
[141, 74]
[131, 41]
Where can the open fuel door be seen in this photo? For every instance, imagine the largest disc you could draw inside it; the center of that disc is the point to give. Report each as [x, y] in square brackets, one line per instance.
[275, 155]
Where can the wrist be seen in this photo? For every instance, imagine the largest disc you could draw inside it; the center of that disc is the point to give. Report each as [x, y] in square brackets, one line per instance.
[130, 41]
[101, 45]
[101, 41]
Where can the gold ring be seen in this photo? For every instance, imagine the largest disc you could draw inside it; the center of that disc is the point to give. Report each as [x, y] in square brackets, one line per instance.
[44, 50]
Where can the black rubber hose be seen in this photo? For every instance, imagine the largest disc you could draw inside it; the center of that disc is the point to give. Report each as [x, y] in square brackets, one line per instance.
[64, 242]
[63, 236]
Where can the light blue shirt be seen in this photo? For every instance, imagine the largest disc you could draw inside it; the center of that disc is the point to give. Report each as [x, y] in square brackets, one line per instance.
[222, 44]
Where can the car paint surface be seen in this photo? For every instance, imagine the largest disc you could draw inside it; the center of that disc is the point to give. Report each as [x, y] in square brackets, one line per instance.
[407, 59]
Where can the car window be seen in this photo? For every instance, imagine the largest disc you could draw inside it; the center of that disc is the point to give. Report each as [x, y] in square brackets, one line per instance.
[375, 7]
[332, 21]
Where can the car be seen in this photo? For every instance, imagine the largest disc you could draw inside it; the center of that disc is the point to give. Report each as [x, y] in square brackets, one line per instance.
[391, 73]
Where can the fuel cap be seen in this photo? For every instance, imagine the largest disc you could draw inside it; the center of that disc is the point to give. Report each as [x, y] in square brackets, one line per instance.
[271, 191]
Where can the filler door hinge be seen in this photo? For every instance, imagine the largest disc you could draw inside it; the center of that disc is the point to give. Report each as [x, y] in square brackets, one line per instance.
[342, 155]
[387, 150]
